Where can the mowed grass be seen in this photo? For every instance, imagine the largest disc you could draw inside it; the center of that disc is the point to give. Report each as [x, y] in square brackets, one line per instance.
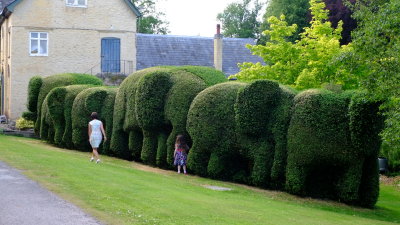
[122, 192]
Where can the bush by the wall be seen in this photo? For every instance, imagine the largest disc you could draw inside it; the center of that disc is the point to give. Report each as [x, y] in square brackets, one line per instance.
[60, 80]
[95, 99]
[35, 83]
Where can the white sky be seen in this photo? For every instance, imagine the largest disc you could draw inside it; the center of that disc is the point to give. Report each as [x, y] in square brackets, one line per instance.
[193, 17]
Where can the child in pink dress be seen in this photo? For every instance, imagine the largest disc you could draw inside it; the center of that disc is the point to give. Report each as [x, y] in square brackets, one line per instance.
[180, 153]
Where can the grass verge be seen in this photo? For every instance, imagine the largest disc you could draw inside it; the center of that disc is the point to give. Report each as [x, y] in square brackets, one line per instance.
[122, 192]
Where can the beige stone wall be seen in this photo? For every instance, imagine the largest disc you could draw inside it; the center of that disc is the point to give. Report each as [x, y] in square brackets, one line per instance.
[74, 36]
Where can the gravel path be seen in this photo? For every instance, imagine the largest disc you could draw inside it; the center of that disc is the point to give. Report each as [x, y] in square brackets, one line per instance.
[24, 202]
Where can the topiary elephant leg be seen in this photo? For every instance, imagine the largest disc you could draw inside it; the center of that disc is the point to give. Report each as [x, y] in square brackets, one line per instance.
[350, 181]
[216, 166]
[58, 133]
[198, 160]
[161, 157]
[296, 179]
[136, 143]
[149, 148]
[369, 187]
[171, 146]
[263, 159]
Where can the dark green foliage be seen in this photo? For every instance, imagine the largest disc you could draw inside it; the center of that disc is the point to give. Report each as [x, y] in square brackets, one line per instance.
[210, 124]
[262, 112]
[29, 115]
[210, 76]
[57, 114]
[171, 91]
[72, 92]
[96, 99]
[326, 137]
[125, 125]
[60, 80]
[279, 128]
[365, 125]
[35, 83]
[150, 101]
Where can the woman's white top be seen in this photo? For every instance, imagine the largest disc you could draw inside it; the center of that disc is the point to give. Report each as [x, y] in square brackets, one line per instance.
[96, 136]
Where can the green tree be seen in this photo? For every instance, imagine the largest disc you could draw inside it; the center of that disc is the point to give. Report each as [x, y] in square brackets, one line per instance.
[151, 22]
[376, 44]
[239, 20]
[307, 63]
[295, 13]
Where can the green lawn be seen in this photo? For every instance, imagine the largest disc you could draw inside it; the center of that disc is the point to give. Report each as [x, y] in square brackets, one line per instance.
[122, 192]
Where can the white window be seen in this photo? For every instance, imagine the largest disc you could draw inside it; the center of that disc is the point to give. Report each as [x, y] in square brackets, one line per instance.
[76, 3]
[39, 43]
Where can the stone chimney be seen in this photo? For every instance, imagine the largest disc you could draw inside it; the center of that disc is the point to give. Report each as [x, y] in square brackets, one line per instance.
[218, 49]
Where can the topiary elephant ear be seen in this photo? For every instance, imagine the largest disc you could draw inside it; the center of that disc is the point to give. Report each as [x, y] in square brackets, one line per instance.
[254, 105]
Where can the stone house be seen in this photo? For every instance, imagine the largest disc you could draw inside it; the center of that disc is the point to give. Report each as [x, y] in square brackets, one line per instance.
[46, 37]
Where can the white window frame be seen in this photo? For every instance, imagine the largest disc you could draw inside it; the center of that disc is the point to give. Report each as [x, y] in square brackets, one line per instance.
[38, 40]
[75, 4]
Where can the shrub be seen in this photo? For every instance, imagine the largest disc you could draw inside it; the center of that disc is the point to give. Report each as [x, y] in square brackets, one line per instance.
[35, 83]
[158, 121]
[29, 116]
[365, 125]
[324, 137]
[95, 99]
[58, 108]
[24, 124]
[60, 80]
[261, 117]
[127, 136]
[210, 124]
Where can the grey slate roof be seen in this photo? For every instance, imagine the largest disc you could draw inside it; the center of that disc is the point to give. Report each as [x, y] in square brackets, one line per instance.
[4, 3]
[158, 50]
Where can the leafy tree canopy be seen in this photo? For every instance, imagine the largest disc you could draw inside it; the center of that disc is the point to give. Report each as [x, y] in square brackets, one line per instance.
[151, 22]
[239, 20]
[376, 44]
[307, 63]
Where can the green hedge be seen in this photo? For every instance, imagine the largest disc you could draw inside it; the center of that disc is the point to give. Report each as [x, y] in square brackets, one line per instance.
[262, 110]
[95, 99]
[365, 124]
[151, 109]
[58, 80]
[56, 114]
[326, 147]
[35, 83]
[126, 132]
[211, 125]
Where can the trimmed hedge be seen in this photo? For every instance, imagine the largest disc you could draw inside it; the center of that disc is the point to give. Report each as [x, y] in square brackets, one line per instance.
[35, 83]
[261, 117]
[54, 81]
[57, 114]
[151, 105]
[95, 99]
[211, 126]
[126, 132]
[326, 136]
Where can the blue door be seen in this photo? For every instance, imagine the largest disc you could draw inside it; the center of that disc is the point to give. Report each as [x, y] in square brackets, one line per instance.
[110, 55]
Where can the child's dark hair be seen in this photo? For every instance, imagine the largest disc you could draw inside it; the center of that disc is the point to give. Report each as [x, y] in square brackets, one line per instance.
[94, 116]
[180, 140]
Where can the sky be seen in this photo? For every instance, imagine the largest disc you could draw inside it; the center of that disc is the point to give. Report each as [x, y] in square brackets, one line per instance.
[193, 17]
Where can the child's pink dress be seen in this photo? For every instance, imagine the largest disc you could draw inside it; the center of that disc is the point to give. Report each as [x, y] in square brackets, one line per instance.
[181, 155]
